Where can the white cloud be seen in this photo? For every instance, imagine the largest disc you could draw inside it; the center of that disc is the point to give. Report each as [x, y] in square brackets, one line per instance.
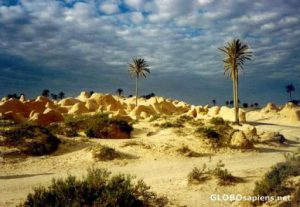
[135, 4]
[109, 8]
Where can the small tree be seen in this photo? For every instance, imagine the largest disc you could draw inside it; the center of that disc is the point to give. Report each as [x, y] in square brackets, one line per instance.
[119, 91]
[45, 93]
[245, 105]
[61, 95]
[214, 102]
[138, 67]
[53, 96]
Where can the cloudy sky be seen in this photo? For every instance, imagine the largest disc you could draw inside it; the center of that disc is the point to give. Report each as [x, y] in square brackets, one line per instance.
[70, 46]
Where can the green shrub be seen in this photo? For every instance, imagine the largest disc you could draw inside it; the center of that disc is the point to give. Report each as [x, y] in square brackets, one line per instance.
[30, 139]
[98, 188]
[198, 175]
[273, 181]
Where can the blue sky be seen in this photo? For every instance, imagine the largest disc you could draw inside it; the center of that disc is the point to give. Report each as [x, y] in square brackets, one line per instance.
[70, 46]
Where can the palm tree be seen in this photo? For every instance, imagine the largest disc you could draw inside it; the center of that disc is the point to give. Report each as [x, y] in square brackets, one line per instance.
[256, 105]
[138, 67]
[61, 95]
[45, 93]
[53, 96]
[119, 91]
[236, 53]
[289, 89]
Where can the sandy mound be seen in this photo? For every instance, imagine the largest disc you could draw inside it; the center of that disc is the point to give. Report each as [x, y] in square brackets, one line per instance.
[78, 108]
[142, 111]
[84, 96]
[213, 111]
[68, 102]
[291, 112]
[16, 117]
[14, 105]
[47, 117]
[91, 105]
[270, 107]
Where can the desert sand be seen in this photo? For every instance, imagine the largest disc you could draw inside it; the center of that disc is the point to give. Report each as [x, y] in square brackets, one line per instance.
[152, 151]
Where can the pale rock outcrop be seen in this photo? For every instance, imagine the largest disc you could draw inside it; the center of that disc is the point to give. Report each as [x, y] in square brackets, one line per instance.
[269, 108]
[290, 112]
[142, 111]
[239, 140]
[213, 111]
[229, 114]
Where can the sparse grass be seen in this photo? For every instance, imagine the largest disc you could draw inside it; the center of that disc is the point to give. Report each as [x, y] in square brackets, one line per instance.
[98, 188]
[196, 122]
[187, 152]
[30, 139]
[198, 175]
[273, 183]
[223, 175]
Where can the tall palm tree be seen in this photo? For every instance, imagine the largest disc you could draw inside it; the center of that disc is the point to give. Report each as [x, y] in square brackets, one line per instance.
[236, 53]
[138, 67]
[289, 89]
[119, 91]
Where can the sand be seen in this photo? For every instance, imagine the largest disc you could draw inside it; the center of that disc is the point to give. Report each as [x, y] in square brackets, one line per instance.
[154, 159]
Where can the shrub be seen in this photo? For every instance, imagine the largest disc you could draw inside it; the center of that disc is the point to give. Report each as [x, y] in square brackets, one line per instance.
[104, 153]
[98, 126]
[98, 188]
[198, 175]
[30, 139]
[217, 121]
[224, 177]
[273, 181]
[209, 133]
[170, 125]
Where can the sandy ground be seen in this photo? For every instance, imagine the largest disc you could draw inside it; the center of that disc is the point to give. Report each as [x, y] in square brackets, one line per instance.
[154, 160]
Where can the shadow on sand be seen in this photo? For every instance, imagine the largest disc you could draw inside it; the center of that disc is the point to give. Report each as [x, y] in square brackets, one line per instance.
[6, 177]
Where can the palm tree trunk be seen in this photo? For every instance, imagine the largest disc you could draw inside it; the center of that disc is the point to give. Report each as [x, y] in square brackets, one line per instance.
[235, 93]
[136, 90]
[237, 98]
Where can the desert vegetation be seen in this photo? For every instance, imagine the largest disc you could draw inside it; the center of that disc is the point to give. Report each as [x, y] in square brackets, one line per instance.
[97, 188]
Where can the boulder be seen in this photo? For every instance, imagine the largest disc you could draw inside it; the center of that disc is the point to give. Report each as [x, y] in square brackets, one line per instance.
[91, 105]
[239, 140]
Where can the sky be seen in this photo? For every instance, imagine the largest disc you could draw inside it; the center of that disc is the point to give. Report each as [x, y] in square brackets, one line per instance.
[72, 46]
